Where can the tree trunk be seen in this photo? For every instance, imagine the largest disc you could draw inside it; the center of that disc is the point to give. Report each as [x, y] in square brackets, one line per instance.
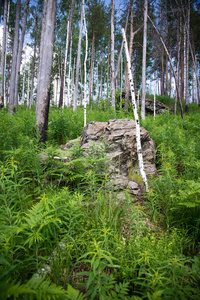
[85, 68]
[78, 58]
[174, 73]
[45, 64]
[144, 61]
[137, 123]
[62, 84]
[3, 56]
[19, 54]
[91, 67]
[12, 100]
[34, 59]
[187, 57]
[112, 54]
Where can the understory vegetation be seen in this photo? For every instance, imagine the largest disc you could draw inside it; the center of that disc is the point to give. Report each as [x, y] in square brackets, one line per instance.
[63, 235]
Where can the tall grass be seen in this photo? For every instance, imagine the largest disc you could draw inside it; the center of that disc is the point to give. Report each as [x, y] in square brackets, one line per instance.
[60, 227]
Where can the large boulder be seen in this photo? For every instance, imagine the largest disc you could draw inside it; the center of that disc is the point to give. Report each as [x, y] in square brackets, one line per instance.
[118, 139]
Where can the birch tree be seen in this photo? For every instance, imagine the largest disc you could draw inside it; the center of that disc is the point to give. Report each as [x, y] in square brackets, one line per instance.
[45, 64]
[78, 58]
[4, 50]
[69, 29]
[34, 57]
[112, 54]
[144, 61]
[85, 67]
[19, 54]
[137, 123]
[14, 59]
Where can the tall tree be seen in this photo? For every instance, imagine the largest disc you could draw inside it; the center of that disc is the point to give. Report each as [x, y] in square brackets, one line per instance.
[144, 61]
[69, 29]
[112, 54]
[19, 54]
[12, 100]
[45, 64]
[78, 57]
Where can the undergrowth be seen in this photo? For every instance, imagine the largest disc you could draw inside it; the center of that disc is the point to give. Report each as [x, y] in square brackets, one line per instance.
[63, 235]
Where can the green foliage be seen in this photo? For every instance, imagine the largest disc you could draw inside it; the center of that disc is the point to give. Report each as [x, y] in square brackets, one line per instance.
[64, 234]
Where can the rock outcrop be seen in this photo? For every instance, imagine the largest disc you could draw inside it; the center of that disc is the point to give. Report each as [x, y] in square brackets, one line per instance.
[118, 139]
[149, 105]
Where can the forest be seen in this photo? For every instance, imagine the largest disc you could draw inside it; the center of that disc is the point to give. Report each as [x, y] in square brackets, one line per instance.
[63, 233]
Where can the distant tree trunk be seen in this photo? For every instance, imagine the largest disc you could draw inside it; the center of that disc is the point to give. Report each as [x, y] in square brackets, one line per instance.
[85, 69]
[3, 56]
[12, 100]
[194, 60]
[187, 30]
[66, 54]
[127, 85]
[144, 61]
[112, 61]
[122, 46]
[19, 54]
[174, 73]
[45, 64]
[91, 66]
[78, 58]
[34, 60]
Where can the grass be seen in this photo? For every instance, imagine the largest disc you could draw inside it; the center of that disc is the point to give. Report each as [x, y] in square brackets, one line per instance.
[64, 236]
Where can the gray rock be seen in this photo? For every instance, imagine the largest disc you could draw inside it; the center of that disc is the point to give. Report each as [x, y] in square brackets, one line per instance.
[118, 139]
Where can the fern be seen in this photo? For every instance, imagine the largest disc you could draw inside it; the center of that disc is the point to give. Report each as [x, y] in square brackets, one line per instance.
[190, 195]
[37, 288]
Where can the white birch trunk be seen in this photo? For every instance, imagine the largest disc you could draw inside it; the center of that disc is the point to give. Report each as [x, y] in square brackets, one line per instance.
[19, 54]
[3, 55]
[112, 55]
[4, 74]
[85, 68]
[69, 92]
[78, 59]
[14, 58]
[65, 64]
[137, 123]
[144, 61]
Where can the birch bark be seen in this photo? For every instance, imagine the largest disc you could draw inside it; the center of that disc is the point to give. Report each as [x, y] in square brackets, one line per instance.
[78, 59]
[137, 123]
[62, 85]
[14, 59]
[144, 61]
[34, 59]
[112, 54]
[85, 67]
[3, 56]
[19, 54]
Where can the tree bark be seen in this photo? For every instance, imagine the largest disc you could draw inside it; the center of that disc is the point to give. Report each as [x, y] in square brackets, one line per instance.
[144, 60]
[62, 84]
[45, 64]
[12, 100]
[137, 123]
[19, 54]
[78, 58]
[91, 67]
[34, 60]
[85, 68]
[112, 54]
[3, 56]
